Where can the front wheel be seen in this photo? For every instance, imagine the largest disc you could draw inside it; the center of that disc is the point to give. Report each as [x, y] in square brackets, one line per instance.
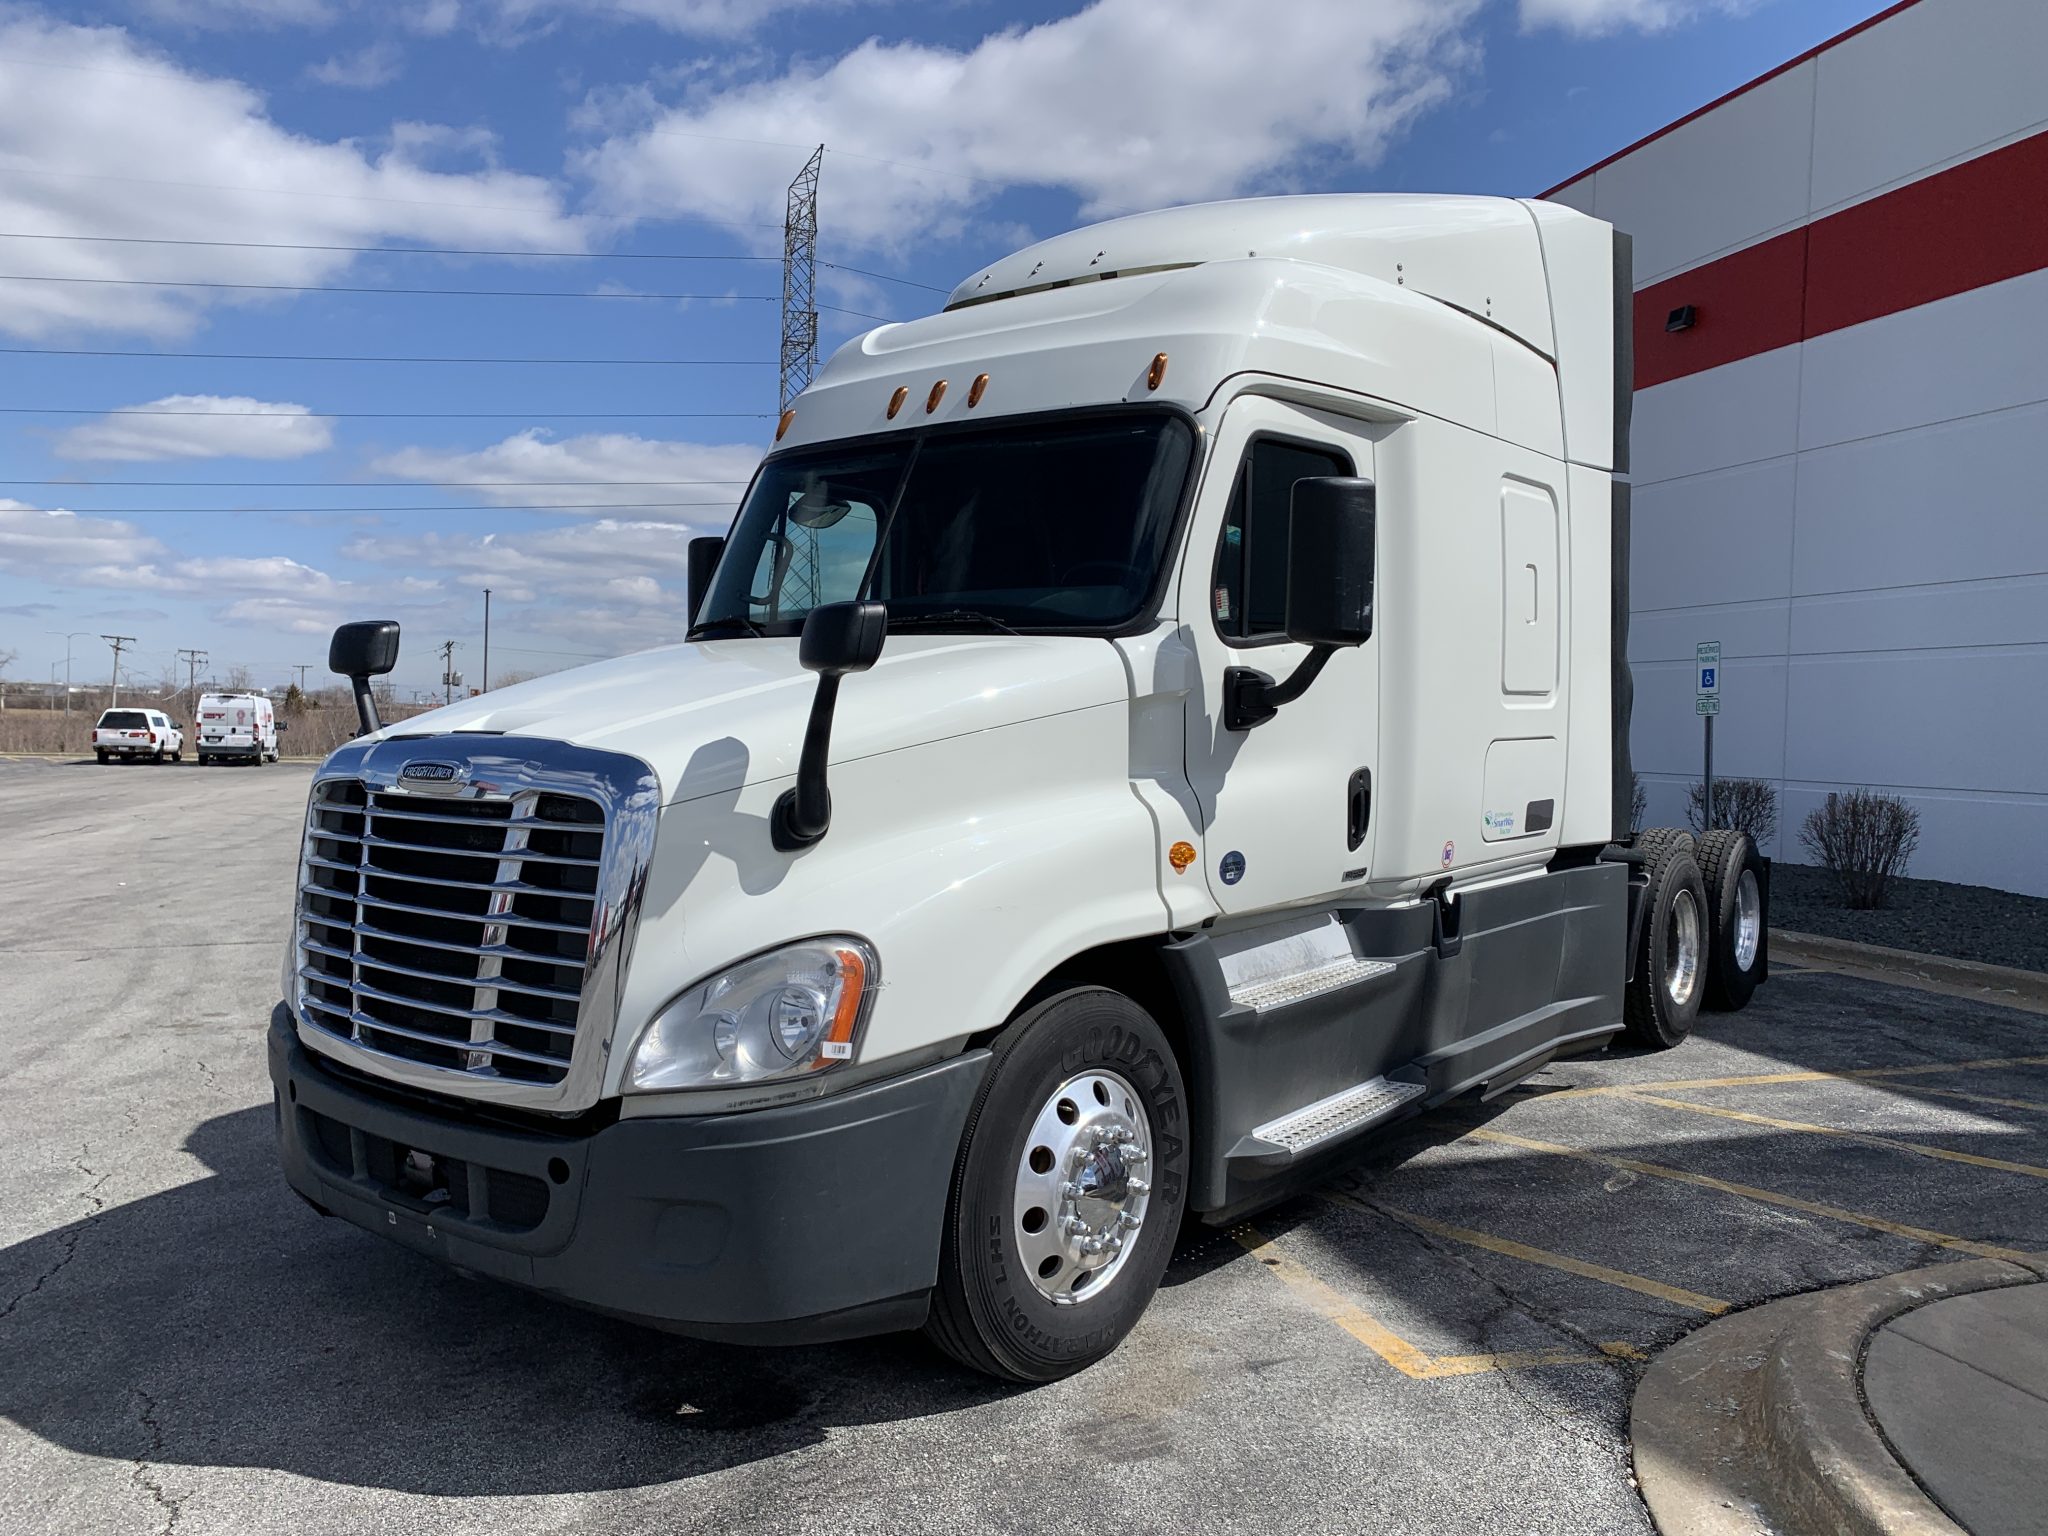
[1067, 1193]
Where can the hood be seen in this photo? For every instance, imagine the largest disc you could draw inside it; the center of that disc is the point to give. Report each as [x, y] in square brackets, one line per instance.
[710, 716]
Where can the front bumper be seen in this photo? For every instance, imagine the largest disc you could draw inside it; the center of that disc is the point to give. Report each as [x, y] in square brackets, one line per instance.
[795, 1224]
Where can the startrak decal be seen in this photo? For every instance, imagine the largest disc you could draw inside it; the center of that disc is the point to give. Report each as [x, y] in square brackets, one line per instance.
[1232, 867]
[1500, 823]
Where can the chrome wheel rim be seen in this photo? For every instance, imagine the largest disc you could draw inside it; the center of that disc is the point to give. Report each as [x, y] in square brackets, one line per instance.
[1749, 920]
[1682, 949]
[1082, 1191]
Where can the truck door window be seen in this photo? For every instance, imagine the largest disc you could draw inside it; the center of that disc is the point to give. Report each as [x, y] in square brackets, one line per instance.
[1248, 596]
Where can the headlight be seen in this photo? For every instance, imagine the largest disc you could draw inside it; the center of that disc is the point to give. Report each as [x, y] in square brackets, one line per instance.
[788, 1013]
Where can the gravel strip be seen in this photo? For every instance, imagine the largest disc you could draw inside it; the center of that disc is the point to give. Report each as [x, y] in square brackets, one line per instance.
[1933, 917]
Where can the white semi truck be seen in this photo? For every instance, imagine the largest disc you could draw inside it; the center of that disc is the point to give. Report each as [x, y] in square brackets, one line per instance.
[1149, 725]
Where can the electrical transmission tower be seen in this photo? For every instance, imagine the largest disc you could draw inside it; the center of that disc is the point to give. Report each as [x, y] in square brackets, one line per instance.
[800, 341]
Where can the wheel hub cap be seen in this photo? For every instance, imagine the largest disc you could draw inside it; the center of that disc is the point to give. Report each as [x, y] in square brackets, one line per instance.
[1682, 949]
[1749, 919]
[1081, 1194]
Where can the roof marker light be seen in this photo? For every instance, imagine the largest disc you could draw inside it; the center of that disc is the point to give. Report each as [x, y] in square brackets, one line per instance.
[782, 426]
[896, 400]
[976, 390]
[931, 401]
[1156, 374]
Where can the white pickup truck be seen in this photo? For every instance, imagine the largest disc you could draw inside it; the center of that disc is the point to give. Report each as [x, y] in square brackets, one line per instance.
[125, 735]
[1149, 726]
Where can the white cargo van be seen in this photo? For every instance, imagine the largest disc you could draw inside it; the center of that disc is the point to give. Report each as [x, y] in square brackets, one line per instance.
[237, 727]
[1149, 726]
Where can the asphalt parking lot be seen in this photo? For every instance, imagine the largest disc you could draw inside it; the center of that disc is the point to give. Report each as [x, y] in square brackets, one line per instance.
[1443, 1339]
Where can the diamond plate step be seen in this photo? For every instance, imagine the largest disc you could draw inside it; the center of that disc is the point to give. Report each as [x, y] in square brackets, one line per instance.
[1326, 1120]
[1277, 991]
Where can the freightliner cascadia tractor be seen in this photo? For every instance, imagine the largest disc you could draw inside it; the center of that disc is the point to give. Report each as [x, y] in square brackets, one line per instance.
[1148, 726]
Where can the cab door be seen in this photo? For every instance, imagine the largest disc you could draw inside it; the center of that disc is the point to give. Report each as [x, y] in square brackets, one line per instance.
[1285, 806]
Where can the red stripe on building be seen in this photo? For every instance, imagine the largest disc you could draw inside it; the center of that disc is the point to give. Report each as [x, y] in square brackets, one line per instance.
[1973, 224]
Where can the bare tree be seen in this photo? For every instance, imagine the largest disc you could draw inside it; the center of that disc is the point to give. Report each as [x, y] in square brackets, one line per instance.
[6, 661]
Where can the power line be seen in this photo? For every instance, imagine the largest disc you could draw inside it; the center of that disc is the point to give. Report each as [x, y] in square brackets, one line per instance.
[446, 293]
[376, 250]
[332, 357]
[449, 250]
[396, 485]
[518, 506]
[137, 410]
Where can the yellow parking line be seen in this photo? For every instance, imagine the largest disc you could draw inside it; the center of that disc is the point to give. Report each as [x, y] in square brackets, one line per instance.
[1641, 1284]
[1390, 1346]
[1765, 1196]
[1348, 1315]
[1977, 1098]
[1888, 1143]
[1854, 1074]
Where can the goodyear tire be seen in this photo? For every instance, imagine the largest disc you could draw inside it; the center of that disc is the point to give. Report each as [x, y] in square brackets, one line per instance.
[1067, 1193]
[1664, 993]
[1737, 918]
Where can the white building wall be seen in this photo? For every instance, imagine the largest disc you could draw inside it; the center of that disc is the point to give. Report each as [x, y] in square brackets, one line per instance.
[1860, 517]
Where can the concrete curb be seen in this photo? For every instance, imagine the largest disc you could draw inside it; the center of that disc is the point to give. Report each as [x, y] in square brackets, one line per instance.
[1755, 1423]
[1972, 976]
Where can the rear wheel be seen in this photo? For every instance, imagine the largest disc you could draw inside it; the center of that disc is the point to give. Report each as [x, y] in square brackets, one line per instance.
[157, 756]
[1663, 998]
[102, 756]
[1739, 955]
[1067, 1193]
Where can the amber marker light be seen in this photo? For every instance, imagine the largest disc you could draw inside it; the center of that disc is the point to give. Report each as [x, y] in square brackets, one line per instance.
[837, 1044]
[1156, 374]
[782, 426]
[976, 390]
[931, 401]
[896, 400]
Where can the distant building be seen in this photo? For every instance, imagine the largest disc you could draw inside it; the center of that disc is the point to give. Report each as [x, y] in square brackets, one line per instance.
[1837, 461]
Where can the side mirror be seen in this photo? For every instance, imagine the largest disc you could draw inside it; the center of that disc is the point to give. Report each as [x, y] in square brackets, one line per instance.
[838, 638]
[703, 557]
[1332, 523]
[360, 652]
[1331, 527]
[282, 727]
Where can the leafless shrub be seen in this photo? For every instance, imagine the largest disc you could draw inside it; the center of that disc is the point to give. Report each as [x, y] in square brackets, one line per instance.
[1747, 805]
[1863, 839]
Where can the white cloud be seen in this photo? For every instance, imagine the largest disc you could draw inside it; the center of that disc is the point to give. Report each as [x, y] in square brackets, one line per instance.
[696, 483]
[100, 135]
[36, 541]
[1126, 104]
[708, 18]
[201, 427]
[223, 574]
[431, 18]
[1593, 18]
[378, 64]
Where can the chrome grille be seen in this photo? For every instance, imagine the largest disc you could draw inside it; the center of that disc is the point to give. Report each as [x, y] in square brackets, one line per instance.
[455, 932]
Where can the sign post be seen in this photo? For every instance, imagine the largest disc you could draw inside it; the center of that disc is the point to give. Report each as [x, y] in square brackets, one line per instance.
[1707, 704]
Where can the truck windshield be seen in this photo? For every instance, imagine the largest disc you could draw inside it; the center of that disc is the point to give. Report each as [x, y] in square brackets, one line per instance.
[1047, 525]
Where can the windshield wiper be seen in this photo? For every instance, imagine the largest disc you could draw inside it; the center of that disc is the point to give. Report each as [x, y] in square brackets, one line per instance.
[745, 626]
[951, 616]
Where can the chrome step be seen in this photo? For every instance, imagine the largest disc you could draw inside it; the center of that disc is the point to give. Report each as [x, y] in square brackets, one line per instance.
[1278, 991]
[1340, 1115]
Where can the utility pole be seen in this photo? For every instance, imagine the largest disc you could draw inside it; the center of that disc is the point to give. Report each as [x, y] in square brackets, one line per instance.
[800, 331]
[302, 667]
[487, 641]
[192, 660]
[69, 636]
[448, 671]
[118, 642]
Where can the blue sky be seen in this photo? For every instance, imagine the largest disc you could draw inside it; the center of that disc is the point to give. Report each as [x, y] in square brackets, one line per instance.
[654, 140]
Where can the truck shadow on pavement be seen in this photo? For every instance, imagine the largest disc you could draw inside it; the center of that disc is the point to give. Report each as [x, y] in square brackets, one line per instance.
[223, 1323]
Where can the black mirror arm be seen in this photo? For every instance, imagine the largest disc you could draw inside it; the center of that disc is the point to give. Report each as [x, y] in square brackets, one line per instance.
[802, 814]
[1251, 698]
[366, 707]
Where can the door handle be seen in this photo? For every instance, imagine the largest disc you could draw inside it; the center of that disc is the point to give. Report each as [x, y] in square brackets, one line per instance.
[1358, 800]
